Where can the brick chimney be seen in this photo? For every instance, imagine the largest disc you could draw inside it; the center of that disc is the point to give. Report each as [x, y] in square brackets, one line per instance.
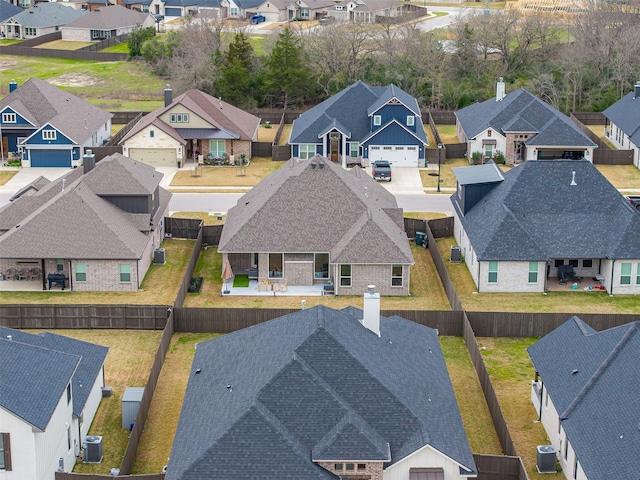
[371, 311]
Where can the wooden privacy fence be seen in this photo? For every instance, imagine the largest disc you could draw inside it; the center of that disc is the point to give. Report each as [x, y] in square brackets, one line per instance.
[95, 476]
[145, 403]
[603, 155]
[123, 317]
[115, 140]
[440, 227]
[443, 274]
[211, 234]
[226, 320]
[499, 467]
[182, 227]
[191, 266]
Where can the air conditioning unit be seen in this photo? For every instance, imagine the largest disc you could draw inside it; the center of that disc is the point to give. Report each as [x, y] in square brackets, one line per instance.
[455, 256]
[159, 256]
[93, 449]
[546, 459]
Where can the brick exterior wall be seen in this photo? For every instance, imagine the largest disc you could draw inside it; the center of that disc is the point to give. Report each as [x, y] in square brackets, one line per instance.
[372, 470]
[299, 273]
[364, 275]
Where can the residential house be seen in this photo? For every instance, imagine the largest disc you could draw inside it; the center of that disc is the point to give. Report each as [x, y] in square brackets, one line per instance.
[361, 124]
[243, 8]
[308, 9]
[624, 123]
[99, 227]
[50, 127]
[50, 390]
[139, 5]
[313, 221]
[106, 22]
[522, 127]
[175, 9]
[7, 10]
[322, 396]
[276, 10]
[368, 11]
[193, 124]
[41, 19]
[521, 230]
[587, 395]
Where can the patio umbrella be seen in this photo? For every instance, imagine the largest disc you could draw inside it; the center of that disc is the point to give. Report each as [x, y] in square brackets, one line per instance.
[227, 274]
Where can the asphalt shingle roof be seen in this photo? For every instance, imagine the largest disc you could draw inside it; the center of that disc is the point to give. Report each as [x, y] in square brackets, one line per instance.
[92, 358]
[299, 209]
[536, 214]
[40, 103]
[219, 114]
[350, 109]
[599, 405]
[33, 379]
[109, 18]
[520, 111]
[47, 14]
[8, 10]
[625, 113]
[265, 414]
[70, 217]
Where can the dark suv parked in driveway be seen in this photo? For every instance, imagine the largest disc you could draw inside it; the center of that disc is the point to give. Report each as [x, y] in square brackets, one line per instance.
[381, 170]
[634, 201]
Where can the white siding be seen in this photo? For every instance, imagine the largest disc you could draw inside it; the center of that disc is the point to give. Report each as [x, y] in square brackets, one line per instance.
[425, 457]
[22, 447]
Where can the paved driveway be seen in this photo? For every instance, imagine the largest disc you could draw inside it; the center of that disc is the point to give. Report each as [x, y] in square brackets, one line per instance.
[404, 181]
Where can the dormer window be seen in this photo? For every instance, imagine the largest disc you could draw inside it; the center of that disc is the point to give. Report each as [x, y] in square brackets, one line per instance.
[411, 120]
[8, 118]
[179, 118]
[377, 120]
[48, 134]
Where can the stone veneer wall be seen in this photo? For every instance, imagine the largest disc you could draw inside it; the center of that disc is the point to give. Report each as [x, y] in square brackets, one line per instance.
[372, 470]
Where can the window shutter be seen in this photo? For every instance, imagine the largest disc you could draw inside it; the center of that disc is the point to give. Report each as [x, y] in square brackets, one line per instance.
[7, 451]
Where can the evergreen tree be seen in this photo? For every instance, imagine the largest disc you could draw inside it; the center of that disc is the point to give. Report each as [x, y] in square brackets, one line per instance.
[237, 73]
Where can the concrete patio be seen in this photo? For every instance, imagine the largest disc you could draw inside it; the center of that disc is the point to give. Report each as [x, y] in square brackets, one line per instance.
[252, 290]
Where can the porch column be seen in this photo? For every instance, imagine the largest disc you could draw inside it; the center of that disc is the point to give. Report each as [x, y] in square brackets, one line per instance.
[344, 151]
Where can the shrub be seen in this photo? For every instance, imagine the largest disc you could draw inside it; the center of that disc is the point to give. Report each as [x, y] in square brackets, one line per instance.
[499, 157]
[476, 158]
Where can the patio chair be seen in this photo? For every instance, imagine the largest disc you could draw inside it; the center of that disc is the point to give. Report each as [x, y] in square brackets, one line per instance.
[263, 285]
[329, 287]
[35, 274]
[23, 274]
[11, 274]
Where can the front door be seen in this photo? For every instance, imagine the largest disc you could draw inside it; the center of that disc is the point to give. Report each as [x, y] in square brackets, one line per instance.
[334, 146]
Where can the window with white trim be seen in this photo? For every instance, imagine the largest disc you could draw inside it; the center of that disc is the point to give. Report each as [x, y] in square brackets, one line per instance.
[396, 275]
[377, 120]
[81, 272]
[638, 274]
[125, 272]
[234, 11]
[533, 272]
[48, 134]
[488, 150]
[306, 150]
[353, 149]
[179, 118]
[9, 118]
[493, 272]
[411, 120]
[345, 275]
[217, 148]
[625, 273]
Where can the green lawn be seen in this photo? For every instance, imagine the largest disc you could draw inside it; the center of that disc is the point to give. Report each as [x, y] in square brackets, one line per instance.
[6, 175]
[571, 301]
[227, 176]
[110, 85]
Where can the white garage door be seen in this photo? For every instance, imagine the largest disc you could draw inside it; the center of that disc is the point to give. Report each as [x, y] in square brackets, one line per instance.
[156, 157]
[398, 155]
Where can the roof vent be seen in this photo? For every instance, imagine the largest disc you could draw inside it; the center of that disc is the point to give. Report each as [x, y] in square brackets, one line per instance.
[313, 164]
[9, 337]
[573, 179]
[321, 164]
[574, 372]
[366, 191]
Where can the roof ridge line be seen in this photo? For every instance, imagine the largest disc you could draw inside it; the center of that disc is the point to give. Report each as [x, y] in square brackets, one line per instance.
[598, 373]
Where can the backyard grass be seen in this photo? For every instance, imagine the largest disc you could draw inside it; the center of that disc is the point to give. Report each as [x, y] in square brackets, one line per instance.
[227, 176]
[511, 374]
[598, 130]
[448, 133]
[571, 302]
[427, 292]
[621, 176]
[110, 85]
[204, 216]
[131, 354]
[473, 407]
[159, 287]
[122, 47]
[64, 45]
[157, 439]
[267, 133]
[6, 175]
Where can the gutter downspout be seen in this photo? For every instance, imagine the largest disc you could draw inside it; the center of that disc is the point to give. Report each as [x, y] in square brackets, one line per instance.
[613, 265]
[70, 278]
[478, 272]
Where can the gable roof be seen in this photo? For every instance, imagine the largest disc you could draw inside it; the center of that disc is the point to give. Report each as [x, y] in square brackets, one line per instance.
[219, 114]
[33, 380]
[350, 109]
[70, 217]
[189, 3]
[8, 10]
[536, 214]
[92, 358]
[299, 208]
[110, 17]
[599, 404]
[288, 400]
[520, 111]
[47, 14]
[40, 103]
[625, 113]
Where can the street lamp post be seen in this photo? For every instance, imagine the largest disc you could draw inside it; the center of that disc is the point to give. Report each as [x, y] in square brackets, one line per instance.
[440, 149]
